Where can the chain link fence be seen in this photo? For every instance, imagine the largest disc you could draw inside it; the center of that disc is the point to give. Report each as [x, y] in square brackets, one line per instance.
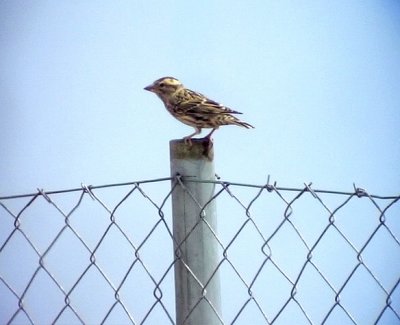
[105, 255]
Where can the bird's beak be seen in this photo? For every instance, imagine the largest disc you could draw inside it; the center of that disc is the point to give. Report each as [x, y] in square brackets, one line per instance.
[149, 88]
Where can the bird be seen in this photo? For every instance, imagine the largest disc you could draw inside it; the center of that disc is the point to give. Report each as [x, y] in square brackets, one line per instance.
[193, 108]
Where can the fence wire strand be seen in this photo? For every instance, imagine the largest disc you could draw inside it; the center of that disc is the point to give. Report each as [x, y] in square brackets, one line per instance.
[111, 256]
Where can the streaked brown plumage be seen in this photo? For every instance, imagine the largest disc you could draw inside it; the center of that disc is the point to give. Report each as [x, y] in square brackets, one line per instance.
[193, 108]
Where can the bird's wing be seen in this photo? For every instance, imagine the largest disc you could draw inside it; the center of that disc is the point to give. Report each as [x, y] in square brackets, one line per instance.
[196, 103]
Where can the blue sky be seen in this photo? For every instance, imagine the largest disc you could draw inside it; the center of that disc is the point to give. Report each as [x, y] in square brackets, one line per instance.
[319, 80]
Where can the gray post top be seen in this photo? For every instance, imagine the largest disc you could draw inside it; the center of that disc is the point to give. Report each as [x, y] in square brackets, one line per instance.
[200, 149]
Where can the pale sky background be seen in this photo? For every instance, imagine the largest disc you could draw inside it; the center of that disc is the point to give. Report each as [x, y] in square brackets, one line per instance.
[319, 80]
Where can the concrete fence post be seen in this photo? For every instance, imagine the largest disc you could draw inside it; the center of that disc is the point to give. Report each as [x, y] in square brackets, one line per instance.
[197, 283]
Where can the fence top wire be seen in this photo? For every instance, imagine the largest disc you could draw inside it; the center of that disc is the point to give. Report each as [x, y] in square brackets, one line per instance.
[360, 192]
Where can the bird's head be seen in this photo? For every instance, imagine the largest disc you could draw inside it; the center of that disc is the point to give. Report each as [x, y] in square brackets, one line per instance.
[165, 86]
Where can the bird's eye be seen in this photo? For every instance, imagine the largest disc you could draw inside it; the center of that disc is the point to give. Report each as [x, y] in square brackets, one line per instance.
[162, 85]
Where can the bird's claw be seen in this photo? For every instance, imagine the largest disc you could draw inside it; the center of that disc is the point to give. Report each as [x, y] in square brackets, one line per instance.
[188, 141]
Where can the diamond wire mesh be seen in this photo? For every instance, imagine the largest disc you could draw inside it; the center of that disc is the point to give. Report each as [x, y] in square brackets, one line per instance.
[104, 255]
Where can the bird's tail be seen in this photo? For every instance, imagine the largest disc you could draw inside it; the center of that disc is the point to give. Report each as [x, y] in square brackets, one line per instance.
[226, 119]
[244, 124]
